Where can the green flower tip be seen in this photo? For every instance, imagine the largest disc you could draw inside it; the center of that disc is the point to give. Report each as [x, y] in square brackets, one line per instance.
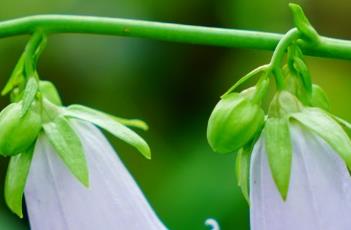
[302, 23]
[18, 133]
[234, 122]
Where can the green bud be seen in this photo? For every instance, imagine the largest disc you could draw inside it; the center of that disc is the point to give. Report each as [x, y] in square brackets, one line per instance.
[319, 98]
[284, 103]
[48, 90]
[295, 85]
[234, 122]
[17, 133]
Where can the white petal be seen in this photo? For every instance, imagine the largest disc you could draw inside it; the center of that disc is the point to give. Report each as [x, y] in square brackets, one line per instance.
[56, 200]
[319, 194]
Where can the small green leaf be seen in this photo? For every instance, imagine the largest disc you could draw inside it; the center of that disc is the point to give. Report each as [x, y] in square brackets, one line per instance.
[302, 69]
[242, 170]
[136, 123]
[328, 129]
[342, 122]
[16, 178]
[111, 125]
[247, 77]
[16, 77]
[279, 151]
[69, 148]
[302, 23]
[29, 94]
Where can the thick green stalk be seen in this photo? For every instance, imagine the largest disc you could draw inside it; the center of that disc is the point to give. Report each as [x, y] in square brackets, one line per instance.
[328, 47]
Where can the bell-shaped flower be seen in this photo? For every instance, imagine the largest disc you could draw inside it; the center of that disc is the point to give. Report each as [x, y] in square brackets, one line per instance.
[319, 194]
[56, 200]
[70, 175]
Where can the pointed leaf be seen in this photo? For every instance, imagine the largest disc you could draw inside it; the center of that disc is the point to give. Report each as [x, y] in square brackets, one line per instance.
[342, 122]
[242, 170]
[16, 77]
[69, 148]
[16, 178]
[136, 123]
[29, 94]
[111, 125]
[328, 129]
[279, 150]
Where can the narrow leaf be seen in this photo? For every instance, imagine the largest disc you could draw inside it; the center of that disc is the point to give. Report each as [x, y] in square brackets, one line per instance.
[327, 128]
[29, 94]
[111, 125]
[15, 78]
[242, 170]
[16, 178]
[342, 122]
[69, 148]
[279, 151]
[136, 123]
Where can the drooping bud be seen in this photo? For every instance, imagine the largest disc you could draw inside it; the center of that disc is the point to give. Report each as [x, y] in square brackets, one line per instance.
[319, 98]
[17, 133]
[235, 120]
[49, 91]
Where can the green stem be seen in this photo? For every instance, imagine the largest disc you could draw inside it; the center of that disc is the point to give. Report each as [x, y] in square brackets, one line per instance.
[328, 47]
[31, 51]
[278, 55]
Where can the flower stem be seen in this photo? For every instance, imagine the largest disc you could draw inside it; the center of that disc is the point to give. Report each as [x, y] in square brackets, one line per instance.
[328, 47]
[279, 52]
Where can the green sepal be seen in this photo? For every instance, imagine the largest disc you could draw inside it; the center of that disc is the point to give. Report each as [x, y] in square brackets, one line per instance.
[29, 94]
[16, 77]
[247, 77]
[279, 151]
[302, 23]
[328, 129]
[68, 147]
[284, 103]
[342, 122]
[111, 125]
[49, 91]
[304, 73]
[16, 177]
[319, 98]
[234, 121]
[242, 169]
[135, 123]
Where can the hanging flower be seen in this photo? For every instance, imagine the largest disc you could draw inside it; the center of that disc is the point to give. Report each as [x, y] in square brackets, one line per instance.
[293, 169]
[112, 201]
[70, 175]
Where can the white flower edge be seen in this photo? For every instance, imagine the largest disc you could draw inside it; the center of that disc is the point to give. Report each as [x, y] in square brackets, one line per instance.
[55, 199]
[319, 195]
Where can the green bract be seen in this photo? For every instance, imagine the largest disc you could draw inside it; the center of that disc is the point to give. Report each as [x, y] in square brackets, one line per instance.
[17, 132]
[234, 122]
[49, 91]
[283, 104]
[319, 98]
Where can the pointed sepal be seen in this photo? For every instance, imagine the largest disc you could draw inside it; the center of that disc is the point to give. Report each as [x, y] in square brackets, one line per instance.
[68, 147]
[279, 150]
[111, 125]
[16, 177]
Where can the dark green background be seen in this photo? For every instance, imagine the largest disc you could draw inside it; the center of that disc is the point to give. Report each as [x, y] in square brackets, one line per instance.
[173, 87]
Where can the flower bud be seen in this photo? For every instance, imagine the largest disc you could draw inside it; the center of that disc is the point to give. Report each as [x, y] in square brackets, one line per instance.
[49, 91]
[234, 122]
[319, 98]
[18, 132]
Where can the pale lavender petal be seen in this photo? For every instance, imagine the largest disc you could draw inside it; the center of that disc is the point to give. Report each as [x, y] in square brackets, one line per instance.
[319, 193]
[56, 200]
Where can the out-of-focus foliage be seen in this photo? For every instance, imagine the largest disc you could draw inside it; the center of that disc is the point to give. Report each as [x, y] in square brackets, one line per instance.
[173, 87]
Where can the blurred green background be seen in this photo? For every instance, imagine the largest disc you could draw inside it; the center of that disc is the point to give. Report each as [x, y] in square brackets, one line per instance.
[173, 87]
